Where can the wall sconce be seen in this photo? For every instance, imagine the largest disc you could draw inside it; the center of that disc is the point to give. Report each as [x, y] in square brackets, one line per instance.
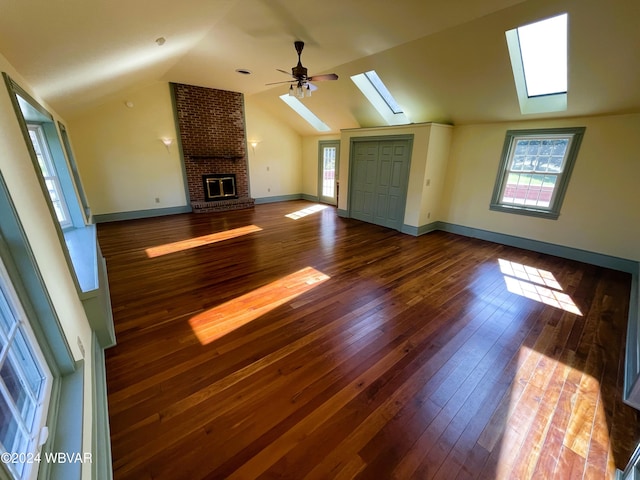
[254, 144]
[167, 142]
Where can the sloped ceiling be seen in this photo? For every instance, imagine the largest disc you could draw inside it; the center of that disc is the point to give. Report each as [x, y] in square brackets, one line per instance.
[443, 61]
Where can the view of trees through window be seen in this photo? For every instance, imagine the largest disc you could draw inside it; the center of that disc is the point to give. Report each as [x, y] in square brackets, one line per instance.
[533, 171]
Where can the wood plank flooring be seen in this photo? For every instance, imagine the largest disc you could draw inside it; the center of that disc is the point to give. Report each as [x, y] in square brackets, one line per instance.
[254, 345]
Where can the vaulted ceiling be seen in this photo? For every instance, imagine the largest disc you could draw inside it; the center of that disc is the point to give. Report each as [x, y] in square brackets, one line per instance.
[443, 61]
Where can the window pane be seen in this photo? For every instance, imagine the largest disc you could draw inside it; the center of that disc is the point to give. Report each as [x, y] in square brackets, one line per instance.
[11, 436]
[33, 375]
[543, 46]
[328, 171]
[555, 164]
[529, 189]
[6, 313]
[16, 390]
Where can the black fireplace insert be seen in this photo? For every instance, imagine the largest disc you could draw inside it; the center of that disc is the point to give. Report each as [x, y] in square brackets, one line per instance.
[219, 186]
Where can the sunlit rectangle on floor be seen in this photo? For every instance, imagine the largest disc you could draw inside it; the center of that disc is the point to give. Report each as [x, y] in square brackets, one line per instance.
[223, 319]
[306, 211]
[167, 248]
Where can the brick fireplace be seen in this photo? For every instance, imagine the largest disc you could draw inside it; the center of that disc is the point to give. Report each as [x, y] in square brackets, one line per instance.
[212, 134]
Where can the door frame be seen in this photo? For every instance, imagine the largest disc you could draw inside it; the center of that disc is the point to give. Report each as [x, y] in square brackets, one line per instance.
[321, 145]
[378, 138]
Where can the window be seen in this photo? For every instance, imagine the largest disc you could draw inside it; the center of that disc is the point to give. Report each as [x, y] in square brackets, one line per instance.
[25, 384]
[538, 53]
[534, 170]
[51, 179]
[305, 113]
[372, 87]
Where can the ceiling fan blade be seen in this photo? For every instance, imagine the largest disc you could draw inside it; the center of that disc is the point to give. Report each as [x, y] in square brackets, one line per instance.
[284, 71]
[319, 78]
[278, 83]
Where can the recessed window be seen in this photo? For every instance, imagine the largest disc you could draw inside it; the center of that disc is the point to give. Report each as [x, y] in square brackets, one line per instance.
[379, 96]
[49, 173]
[534, 170]
[25, 385]
[305, 113]
[538, 54]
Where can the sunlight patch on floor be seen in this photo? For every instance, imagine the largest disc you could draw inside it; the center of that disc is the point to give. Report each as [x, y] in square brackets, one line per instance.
[532, 421]
[223, 319]
[306, 211]
[536, 284]
[182, 245]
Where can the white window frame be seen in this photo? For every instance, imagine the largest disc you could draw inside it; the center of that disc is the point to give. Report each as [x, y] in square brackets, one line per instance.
[51, 176]
[23, 463]
[498, 202]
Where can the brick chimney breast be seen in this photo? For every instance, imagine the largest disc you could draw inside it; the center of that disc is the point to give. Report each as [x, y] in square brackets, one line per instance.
[213, 136]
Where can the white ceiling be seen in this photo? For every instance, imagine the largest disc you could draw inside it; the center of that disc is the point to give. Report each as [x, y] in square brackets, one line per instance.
[443, 61]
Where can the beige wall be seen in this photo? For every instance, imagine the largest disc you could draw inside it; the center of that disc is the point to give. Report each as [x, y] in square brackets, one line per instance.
[275, 167]
[600, 211]
[35, 217]
[122, 161]
[310, 160]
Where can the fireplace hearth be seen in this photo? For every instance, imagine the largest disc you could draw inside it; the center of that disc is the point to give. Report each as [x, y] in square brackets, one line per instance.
[219, 187]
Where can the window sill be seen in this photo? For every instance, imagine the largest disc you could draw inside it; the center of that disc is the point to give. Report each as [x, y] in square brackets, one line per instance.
[531, 212]
[91, 272]
[82, 246]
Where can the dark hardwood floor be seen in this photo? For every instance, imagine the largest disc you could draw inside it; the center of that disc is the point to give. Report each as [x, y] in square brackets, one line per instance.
[254, 345]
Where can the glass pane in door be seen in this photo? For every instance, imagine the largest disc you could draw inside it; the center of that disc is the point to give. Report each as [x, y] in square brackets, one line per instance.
[328, 171]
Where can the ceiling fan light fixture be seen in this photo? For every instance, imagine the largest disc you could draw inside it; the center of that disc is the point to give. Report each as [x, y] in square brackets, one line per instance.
[300, 77]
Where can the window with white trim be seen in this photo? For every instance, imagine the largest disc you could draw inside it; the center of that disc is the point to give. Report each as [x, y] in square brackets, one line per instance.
[534, 170]
[25, 386]
[51, 180]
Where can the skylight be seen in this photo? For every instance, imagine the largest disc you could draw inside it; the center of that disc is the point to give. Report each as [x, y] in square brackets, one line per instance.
[538, 54]
[305, 113]
[543, 46]
[377, 93]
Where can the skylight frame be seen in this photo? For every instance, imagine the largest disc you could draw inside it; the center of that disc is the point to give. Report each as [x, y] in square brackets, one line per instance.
[302, 110]
[374, 89]
[537, 103]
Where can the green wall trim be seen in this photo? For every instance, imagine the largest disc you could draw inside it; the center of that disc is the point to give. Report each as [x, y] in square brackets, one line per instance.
[570, 253]
[342, 213]
[101, 439]
[631, 394]
[281, 198]
[67, 436]
[421, 230]
[134, 214]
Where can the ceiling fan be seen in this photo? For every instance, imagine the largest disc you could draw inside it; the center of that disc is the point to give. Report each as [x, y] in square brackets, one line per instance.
[300, 79]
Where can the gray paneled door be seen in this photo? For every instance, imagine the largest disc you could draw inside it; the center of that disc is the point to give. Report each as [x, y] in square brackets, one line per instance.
[379, 179]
